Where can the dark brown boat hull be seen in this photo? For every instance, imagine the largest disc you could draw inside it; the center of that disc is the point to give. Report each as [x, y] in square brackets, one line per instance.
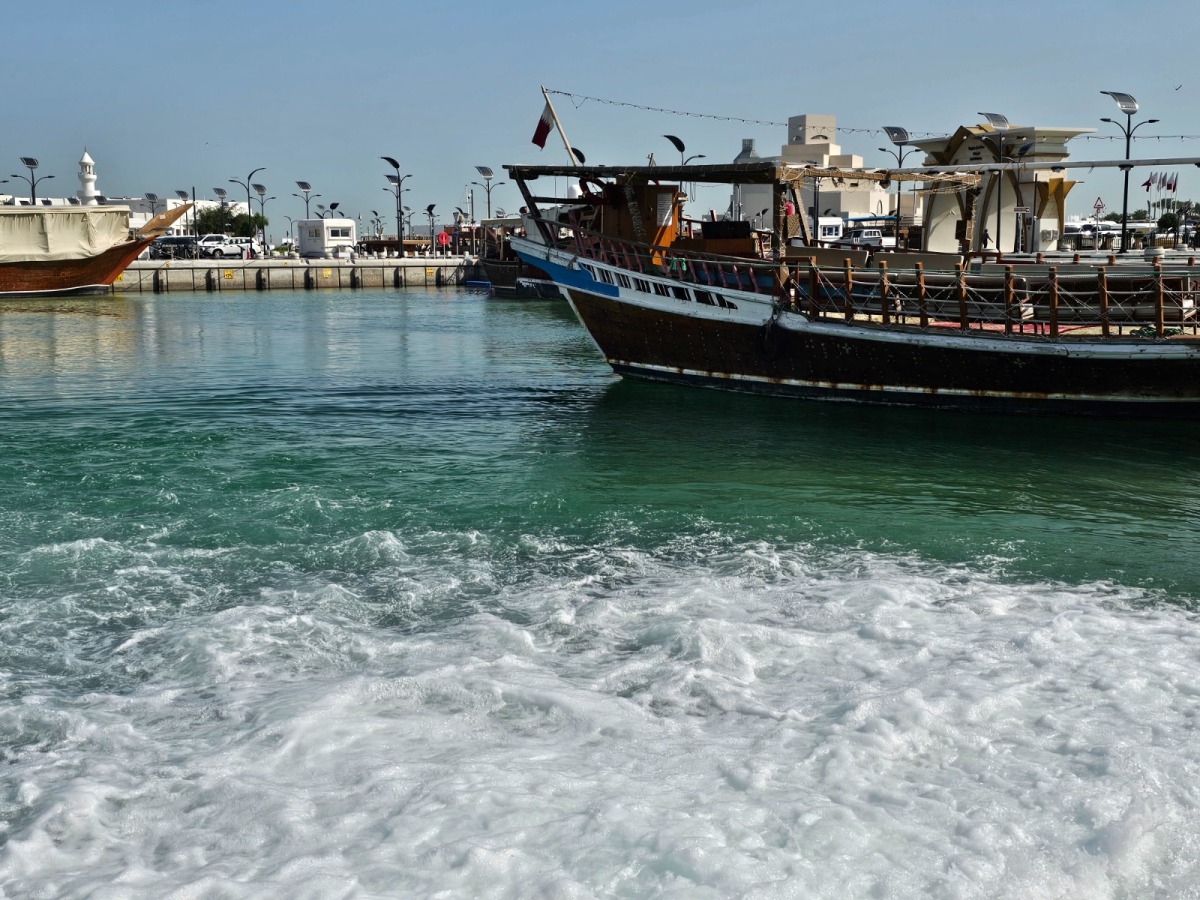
[850, 363]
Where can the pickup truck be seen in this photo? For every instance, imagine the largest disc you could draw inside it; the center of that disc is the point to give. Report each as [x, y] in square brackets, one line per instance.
[862, 238]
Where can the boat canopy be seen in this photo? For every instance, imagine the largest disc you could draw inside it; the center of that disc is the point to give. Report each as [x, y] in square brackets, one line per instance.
[47, 233]
[755, 172]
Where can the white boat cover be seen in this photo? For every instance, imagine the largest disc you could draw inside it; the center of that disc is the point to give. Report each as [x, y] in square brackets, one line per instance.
[45, 233]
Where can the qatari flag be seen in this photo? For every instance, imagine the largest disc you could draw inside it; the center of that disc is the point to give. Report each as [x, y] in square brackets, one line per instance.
[543, 126]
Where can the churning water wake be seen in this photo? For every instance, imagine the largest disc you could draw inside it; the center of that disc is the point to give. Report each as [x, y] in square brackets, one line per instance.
[399, 594]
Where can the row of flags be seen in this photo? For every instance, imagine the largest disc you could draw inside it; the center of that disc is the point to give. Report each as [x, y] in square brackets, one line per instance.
[1163, 181]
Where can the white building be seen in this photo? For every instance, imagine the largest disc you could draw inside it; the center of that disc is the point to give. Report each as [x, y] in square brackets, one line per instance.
[810, 141]
[141, 209]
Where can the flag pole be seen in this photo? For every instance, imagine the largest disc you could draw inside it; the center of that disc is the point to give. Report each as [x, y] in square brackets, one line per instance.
[558, 125]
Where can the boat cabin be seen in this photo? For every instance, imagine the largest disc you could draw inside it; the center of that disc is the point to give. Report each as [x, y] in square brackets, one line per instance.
[321, 238]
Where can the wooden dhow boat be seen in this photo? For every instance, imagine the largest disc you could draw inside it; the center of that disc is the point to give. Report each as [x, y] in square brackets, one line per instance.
[723, 306]
[65, 250]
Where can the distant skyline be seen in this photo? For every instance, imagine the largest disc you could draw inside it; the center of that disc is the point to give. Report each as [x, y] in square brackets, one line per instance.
[168, 96]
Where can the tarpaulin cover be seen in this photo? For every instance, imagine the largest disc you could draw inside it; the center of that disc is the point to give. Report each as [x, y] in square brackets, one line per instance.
[42, 233]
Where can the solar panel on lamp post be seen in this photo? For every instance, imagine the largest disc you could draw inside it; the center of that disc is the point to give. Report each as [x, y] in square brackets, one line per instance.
[899, 137]
[30, 163]
[307, 189]
[262, 205]
[397, 183]
[1129, 106]
[246, 185]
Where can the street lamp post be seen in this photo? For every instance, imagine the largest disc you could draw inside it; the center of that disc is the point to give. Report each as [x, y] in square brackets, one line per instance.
[678, 146]
[899, 137]
[999, 125]
[261, 190]
[246, 185]
[429, 212]
[487, 185]
[1129, 106]
[220, 194]
[307, 189]
[30, 163]
[152, 199]
[185, 197]
[397, 182]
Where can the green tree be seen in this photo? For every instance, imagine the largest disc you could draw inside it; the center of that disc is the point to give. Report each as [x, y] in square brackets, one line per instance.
[213, 220]
[220, 220]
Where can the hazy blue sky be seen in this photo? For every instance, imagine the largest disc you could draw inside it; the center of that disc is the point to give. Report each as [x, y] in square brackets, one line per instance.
[173, 94]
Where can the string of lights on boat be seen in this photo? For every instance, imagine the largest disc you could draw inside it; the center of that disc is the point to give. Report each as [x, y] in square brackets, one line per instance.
[577, 100]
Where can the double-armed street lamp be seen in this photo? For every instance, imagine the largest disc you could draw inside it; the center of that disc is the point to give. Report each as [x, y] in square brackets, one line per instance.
[1129, 106]
[246, 185]
[152, 199]
[30, 163]
[487, 174]
[397, 187]
[899, 137]
[261, 190]
[307, 189]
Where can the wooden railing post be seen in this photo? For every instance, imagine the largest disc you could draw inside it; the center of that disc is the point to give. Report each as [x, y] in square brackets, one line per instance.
[1158, 300]
[961, 291]
[922, 297]
[814, 287]
[1008, 299]
[848, 271]
[883, 292]
[1053, 301]
[1102, 293]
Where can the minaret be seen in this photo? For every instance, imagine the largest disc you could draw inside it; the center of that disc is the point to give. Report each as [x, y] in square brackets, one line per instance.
[87, 192]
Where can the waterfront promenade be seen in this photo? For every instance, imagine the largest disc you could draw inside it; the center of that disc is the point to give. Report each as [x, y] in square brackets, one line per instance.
[213, 275]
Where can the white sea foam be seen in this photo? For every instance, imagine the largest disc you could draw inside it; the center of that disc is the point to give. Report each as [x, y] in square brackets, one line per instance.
[706, 721]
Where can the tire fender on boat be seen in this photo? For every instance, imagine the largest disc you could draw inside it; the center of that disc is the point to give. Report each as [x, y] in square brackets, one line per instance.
[593, 190]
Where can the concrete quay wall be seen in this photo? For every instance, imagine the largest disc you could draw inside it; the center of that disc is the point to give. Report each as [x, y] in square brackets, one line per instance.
[214, 276]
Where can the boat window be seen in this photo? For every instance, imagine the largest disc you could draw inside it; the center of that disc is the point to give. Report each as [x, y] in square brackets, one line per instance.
[606, 276]
[661, 289]
[705, 297]
[623, 280]
[642, 285]
[680, 293]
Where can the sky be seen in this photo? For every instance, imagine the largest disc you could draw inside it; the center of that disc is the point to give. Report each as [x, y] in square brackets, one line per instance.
[182, 94]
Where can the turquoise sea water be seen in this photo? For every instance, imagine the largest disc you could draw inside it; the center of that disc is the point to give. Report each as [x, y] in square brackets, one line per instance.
[398, 593]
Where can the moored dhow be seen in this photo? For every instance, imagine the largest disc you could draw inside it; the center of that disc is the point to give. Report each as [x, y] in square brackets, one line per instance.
[65, 250]
[722, 305]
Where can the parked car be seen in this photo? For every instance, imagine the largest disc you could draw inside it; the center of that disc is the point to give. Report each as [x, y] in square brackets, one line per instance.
[174, 247]
[219, 246]
[861, 238]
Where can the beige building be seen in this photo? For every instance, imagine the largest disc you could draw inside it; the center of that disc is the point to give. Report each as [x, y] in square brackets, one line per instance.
[1017, 210]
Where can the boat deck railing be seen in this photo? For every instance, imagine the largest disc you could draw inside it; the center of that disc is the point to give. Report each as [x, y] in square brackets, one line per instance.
[1147, 301]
